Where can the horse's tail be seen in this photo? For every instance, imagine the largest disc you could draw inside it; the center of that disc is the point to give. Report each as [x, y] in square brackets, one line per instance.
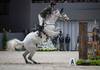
[14, 44]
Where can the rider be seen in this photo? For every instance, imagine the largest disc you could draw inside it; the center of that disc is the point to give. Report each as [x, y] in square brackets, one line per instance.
[43, 14]
[48, 10]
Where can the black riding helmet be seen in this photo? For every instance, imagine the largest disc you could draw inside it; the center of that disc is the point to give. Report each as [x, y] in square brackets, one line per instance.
[52, 3]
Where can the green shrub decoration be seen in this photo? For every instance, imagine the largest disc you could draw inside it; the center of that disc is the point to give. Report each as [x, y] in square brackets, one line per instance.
[79, 62]
[88, 62]
[47, 49]
[4, 40]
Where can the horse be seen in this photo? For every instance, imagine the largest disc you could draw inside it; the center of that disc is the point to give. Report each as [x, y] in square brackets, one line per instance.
[32, 39]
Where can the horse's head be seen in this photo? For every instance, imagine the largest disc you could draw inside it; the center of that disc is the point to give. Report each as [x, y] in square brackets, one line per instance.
[59, 14]
[63, 16]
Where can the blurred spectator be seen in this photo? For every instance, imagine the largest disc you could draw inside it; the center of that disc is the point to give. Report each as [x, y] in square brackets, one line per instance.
[61, 41]
[67, 41]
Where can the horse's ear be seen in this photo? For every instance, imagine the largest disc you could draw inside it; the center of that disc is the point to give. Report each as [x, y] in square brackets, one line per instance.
[62, 10]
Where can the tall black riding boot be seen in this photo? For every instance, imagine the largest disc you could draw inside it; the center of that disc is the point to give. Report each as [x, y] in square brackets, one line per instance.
[39, 34]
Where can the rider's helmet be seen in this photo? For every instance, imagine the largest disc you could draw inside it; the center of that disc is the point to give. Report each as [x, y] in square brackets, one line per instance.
[53, 3]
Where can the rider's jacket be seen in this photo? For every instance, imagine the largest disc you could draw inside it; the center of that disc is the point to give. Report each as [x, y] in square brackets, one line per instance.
[46, 12]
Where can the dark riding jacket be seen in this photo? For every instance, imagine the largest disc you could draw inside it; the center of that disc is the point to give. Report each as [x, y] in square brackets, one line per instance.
[46, 12]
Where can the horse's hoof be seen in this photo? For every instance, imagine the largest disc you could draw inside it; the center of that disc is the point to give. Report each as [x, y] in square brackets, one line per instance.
[28, 63]
[36, 63]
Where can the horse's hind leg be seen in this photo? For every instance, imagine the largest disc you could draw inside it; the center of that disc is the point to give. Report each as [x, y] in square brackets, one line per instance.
[30, 58]
[24, 55]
